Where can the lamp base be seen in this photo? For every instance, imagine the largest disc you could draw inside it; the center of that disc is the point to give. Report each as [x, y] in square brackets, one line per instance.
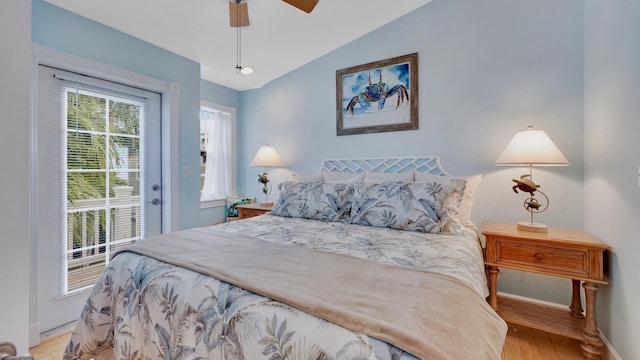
[533, 227]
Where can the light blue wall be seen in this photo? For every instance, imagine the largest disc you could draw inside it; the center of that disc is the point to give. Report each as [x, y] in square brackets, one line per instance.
[219, 94]
[486, 70]
[612, 157]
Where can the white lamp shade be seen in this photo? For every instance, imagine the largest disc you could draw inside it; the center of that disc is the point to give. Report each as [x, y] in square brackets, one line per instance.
[266, 156]
[532, 147]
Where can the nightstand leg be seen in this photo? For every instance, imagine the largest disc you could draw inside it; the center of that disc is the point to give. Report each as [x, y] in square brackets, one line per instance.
[576, 303]
[592, 346]
[493, 289]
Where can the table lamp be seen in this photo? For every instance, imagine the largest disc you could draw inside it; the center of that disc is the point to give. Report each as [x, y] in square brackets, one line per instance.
[267, 157]
[531, 147]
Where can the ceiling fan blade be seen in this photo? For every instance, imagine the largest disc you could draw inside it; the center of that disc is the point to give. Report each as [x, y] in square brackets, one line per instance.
[238, 13]
[304, 5]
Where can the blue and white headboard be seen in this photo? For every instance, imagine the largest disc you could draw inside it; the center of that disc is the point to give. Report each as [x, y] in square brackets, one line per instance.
[428, 163]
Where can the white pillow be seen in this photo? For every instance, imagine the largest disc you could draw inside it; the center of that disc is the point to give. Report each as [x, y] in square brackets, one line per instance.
[341, 176]
[308, 178]
[464, 211]
[376, 177]
[467, 198]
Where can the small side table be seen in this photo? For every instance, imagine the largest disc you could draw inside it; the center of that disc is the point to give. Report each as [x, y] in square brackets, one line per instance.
[254, 209]
[571, 254]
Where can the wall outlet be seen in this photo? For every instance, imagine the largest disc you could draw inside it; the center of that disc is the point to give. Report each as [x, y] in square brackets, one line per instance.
[186, 172]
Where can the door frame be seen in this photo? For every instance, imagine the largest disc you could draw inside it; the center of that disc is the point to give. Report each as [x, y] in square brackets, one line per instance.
[170, 93]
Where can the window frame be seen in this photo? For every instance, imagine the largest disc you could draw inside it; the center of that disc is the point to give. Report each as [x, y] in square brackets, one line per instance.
[96, 252]
[215, 202]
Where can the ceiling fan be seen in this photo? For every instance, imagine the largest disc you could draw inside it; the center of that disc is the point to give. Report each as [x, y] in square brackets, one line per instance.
[239, 10]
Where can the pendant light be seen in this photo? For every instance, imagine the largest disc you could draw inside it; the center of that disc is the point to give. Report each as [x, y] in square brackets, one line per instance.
[245, 70]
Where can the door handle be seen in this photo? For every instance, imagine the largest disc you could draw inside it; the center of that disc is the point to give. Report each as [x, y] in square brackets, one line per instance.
[155, 201]
[8, 352]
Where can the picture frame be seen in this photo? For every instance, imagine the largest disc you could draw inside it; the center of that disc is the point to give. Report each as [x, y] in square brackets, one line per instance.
[379, 96]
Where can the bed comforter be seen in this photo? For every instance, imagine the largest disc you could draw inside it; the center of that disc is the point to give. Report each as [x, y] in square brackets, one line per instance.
[143, 308]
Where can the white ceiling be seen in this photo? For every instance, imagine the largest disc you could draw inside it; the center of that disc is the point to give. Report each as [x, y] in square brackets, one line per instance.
[280, 38]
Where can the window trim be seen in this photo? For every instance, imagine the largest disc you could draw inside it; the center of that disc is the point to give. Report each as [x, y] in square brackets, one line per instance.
[211, 203]
[216, 202]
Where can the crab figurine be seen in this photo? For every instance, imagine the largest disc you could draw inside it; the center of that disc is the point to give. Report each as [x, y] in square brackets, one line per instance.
[525, 185]
[378, 92]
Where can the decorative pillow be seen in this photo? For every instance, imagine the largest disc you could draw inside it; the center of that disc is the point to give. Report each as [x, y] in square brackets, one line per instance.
[343, 192]
[341, 176]
[473, 181]
[425, 207]
[314, 200]
[374, 177]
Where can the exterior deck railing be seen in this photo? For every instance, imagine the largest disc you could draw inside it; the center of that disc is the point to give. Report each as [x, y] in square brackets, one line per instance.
[92, 234]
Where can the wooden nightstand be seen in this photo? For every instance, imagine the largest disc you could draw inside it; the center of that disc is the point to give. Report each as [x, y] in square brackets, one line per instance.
[255, 209]
[571, 254]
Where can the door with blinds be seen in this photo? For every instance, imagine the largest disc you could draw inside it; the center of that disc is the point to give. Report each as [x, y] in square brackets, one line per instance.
[98, 183]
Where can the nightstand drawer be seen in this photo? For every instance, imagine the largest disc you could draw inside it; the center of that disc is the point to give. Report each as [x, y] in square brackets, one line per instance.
[251, 210]
[248, 213]
[543, 257]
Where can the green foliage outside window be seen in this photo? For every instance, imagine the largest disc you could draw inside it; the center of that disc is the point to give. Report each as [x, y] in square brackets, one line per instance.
[93, 152]
[87, 149]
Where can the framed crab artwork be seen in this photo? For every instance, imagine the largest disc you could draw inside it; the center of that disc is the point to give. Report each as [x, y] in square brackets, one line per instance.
[377, 97]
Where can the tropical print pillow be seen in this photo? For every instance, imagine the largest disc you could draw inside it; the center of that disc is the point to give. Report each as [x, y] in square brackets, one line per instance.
[326, 201]
[429, 207]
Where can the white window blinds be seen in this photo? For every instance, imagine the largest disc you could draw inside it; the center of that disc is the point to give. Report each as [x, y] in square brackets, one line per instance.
[100, 155]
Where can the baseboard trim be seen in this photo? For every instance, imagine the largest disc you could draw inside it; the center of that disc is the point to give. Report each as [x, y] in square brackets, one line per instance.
[34, 334]
[57, 331]
[610, 353]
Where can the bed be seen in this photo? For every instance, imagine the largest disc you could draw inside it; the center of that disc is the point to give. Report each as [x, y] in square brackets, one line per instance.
[368, 259]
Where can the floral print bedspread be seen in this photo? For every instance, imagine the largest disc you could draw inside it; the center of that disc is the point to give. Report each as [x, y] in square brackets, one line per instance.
[459, 256]
[145, 309]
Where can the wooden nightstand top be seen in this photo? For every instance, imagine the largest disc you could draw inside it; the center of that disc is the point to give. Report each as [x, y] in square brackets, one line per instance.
[254, 209]
[257, 206]
[556, 236]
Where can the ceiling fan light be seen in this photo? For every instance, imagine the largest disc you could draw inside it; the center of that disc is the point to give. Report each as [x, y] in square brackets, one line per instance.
[246, 70]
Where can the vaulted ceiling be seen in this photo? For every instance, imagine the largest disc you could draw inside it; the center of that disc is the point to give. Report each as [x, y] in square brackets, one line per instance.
[279, 39]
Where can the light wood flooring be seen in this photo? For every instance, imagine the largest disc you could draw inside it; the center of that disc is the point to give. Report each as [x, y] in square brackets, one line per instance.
[522, 344]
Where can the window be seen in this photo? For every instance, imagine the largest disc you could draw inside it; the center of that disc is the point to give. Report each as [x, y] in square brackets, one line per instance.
[217, 124]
